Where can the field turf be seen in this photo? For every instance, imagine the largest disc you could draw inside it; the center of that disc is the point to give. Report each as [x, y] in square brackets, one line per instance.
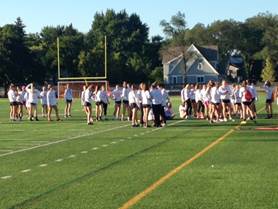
[69, 165]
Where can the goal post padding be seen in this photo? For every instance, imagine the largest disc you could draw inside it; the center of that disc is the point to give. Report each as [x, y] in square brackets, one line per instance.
[77, 87]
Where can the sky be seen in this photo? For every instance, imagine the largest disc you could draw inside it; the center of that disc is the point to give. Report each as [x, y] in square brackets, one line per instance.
[39, 13]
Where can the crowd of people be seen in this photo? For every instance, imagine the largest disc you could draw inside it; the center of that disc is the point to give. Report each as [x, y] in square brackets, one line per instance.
[219, 102]
[141, 104]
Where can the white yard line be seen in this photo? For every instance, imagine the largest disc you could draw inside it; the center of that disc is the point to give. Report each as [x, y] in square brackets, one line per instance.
[25, 171]
[43, 165]
[6, 150]
[61, 141]
[6, 177]
[59, 160]
[84, 152]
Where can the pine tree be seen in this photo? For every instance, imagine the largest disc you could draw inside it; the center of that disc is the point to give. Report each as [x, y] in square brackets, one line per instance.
[268, 72]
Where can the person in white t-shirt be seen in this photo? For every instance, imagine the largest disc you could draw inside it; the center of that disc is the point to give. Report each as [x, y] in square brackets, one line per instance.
[246, 100]
[125, 92]
[97, 95]
[157, 100]
[225, 92]
[133, 105]
[215, 102]
[165, 100]
[200, 102]
[52, 103]
[82, 98]
[185, 99]
[117, 97]
[13, 104]
[269, 90]
[19, 100]
[146, 102]
[33, 99]
[68, 97]
[104, 101]
[237, 101]
[88, 99]
[43, 96]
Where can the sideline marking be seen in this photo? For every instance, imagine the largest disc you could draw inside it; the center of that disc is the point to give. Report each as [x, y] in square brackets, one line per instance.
[84, 152]
[61, 141]
[104, 145]
[95, 148]
[173, 172]
[72, 156]
[25, 171]
[42, 165]
[6, 177]
[59, 160]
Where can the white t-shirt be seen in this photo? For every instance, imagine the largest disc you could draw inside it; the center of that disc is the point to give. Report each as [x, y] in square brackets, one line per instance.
[82, 98]
[269, 92]
[132, 97]
[104, 97]
[214, 94]
[12, 96]
[184, 94]
[51, 98]
[191, 94]
[198, 95]
[165, 97]
[43, 96]
[225, 92]
[146, 98]
[88, 96]
[253, 91]
[33, 97]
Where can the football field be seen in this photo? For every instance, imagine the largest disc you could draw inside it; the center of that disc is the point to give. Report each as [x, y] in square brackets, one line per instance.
[189, 164]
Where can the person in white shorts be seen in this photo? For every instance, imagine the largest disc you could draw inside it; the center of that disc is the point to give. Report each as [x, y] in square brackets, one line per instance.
[88, 98]
[133, 105]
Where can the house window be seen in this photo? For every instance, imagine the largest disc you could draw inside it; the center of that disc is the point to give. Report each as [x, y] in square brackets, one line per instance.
[174, 80]
[200, 66]
[200, 79]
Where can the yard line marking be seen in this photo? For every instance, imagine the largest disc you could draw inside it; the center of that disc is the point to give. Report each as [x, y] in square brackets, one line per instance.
[104, 145]
[59, 160]
[6, 177]
[135, 135]
[61, 141]
[72, 156]
[43, 165]
[95, 148]
[114, 142]
[6, 150]
[173, 172]
[25, 171]
[84, 152]
[122, 140]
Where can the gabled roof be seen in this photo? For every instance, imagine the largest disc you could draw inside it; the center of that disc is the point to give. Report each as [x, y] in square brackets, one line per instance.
[209, 52]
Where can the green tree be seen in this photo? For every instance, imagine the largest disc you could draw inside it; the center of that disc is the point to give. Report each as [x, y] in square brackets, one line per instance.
[268, 72]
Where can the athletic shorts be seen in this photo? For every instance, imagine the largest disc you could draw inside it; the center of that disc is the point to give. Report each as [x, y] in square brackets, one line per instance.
[215, 104]
[87, 104]
[13, 104]
[118, 102]
[133, 105]
[226, 101]
[237, 103]
[146, 106]
[19, 103]
[34, 104]
[269, 101]
[247, 103]
[193, 101]
[98, 103]
[69, 100]
[125, 102]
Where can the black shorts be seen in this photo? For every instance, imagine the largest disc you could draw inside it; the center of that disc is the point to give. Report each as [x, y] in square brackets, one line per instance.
[13, 103]
[193, 101]
[133, 105]
[247, 103]
[146, 106]
[118, 102]
[125, 102]
[19, 103]
[87, 104]
[98, 103]
[237, 103]
[226, 101]
[269, 101]
[69, 100]
[215, 104]
[33, 104]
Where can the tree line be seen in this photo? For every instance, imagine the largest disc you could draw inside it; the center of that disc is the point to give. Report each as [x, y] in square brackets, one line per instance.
[132, 55]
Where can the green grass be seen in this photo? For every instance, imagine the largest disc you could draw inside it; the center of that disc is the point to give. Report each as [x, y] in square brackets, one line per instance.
[243, 176]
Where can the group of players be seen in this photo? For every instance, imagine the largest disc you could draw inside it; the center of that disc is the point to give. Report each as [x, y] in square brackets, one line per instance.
[129, 101]
[140, 104]
[221, 102]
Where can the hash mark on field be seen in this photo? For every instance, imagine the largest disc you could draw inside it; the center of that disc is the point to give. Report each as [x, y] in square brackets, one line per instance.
[43, 165]
[25, 171]
[104, 145]
[95, 148]
[114, 142]
[72, 156]
[84, 152]
[6, 177]
[122, 140]
[59, 160]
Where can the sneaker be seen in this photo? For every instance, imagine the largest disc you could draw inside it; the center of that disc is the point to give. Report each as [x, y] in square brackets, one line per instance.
[243, 122]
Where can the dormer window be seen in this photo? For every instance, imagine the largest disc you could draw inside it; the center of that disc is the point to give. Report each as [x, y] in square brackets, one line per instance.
[200, 66]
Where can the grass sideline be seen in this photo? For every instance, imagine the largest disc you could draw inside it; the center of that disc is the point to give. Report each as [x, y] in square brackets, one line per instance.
[104, 168]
